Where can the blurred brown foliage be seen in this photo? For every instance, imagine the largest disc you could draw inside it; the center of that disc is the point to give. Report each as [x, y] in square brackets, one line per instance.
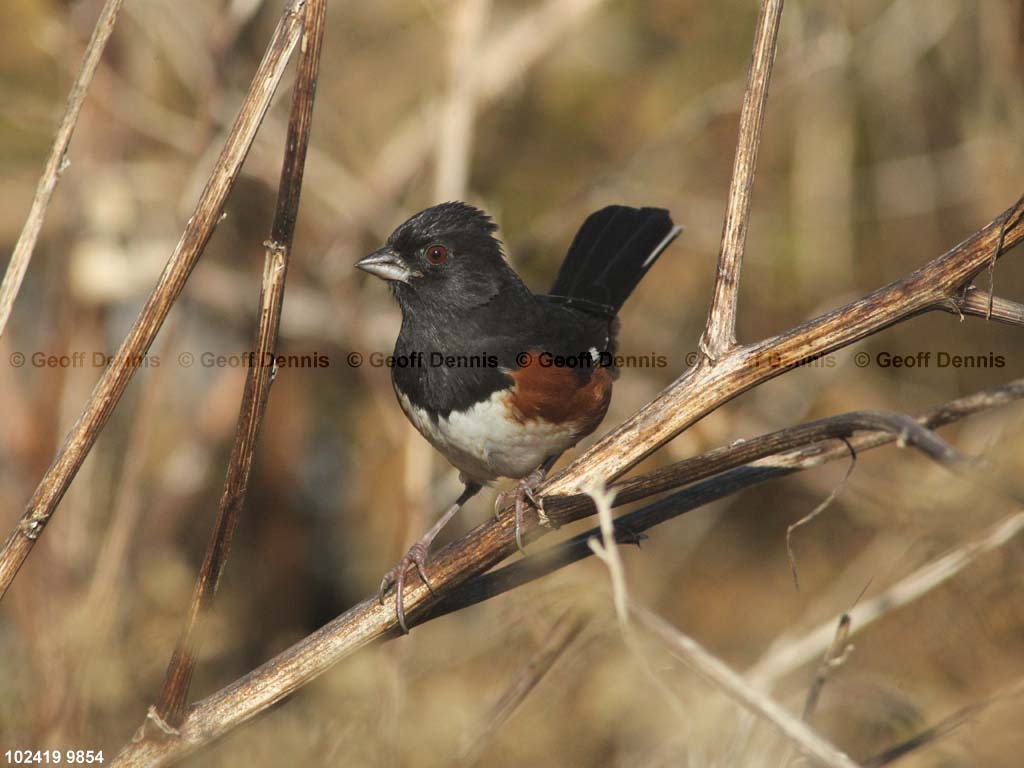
[894, 130]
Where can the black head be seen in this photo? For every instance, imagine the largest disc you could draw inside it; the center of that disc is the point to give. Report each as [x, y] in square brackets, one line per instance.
[443, 258]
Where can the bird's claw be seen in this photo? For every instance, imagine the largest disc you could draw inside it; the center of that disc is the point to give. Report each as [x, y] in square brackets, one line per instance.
[522, 492]
[415, 558]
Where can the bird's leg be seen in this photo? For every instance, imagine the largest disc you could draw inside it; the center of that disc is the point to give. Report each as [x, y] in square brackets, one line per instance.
[416, 557]
[523, 492]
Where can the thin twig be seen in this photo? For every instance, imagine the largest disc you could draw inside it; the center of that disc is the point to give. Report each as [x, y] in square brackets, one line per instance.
[975, 303]
[129, 503]
[173, 700]
[838, 652]
[56, 163]
[944, 727]
[190, 247]
[606, 550]
[802, 736]
[789, 654]
[720, 331]
[825, 504]
[565, 630]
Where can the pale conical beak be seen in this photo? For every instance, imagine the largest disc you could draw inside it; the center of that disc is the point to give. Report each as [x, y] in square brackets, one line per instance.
[386, 265]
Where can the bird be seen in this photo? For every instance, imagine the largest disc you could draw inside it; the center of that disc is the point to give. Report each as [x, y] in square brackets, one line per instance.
[499, 379]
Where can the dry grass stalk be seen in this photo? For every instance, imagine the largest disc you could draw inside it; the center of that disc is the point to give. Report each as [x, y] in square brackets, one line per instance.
[790, 654]
[606, 550]
[566, 629]
[944, 727]
[805, 739]
[169, 710]
[56, 163]
[836, 654]
[200, 227]
[129, 503]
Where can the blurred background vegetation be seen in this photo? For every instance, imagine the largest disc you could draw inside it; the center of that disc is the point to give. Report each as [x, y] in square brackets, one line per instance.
[894, 130]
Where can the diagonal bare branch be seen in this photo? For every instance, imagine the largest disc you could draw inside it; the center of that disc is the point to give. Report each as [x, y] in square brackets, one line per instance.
[565, 630]
[712, 668]
[944, 727]
[56, 163]
[565, 509]
[720, 331]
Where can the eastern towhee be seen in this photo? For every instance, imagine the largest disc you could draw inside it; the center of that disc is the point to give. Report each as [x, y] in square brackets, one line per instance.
[499, 379]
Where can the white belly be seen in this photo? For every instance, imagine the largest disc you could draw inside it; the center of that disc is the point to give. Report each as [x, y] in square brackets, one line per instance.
[483, 444]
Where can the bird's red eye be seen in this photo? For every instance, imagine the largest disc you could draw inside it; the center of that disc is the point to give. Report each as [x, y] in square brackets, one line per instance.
[437, 254]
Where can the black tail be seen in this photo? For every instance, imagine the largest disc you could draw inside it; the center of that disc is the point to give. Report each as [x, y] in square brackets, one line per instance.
[610, 255]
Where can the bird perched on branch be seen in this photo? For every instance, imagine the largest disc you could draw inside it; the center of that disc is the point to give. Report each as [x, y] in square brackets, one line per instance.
[501, 380]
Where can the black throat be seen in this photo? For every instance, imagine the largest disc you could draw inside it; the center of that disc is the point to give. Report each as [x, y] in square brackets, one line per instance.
[450, 357]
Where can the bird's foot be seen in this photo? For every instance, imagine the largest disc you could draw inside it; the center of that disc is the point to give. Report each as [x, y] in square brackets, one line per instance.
[415, 558]
[523, 492]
